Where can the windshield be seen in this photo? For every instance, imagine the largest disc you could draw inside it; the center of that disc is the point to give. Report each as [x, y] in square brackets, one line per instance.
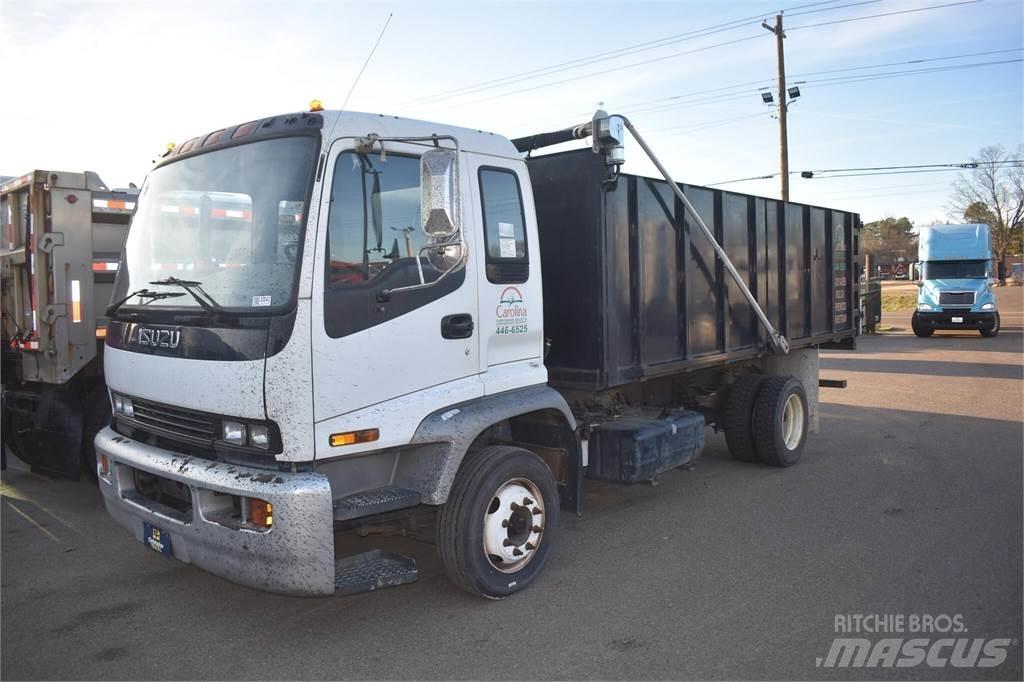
[230, 219]
[955, 269]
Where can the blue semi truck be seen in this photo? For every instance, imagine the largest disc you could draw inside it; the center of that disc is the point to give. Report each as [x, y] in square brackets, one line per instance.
[954, 275]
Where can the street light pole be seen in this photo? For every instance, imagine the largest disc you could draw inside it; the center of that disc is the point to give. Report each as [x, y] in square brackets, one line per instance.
[783, 105]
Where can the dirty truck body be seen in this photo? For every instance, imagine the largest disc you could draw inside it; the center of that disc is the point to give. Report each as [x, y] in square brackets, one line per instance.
[62, 239]
[378, 318]
[955, 268]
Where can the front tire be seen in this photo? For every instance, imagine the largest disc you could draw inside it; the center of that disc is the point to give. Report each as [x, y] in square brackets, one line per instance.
[919, 330]
[496, 530]
[989, 333]
[781, 418]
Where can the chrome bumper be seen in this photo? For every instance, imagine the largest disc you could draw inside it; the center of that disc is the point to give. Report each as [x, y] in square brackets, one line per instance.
[294, 556]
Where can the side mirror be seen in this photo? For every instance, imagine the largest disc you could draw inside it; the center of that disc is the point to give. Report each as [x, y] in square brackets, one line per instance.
[439, 187]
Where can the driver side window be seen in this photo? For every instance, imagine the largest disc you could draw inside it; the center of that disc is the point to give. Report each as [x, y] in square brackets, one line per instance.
[374, 241]
[374, 225]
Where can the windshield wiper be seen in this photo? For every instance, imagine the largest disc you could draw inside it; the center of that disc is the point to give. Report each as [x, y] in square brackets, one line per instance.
[196, 290]
[141, 293]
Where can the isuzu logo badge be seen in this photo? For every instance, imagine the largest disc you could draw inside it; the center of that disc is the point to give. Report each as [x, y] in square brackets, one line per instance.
[155, 337]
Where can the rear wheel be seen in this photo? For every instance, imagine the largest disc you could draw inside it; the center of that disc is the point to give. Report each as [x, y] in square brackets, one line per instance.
[989, 333]
[919, 329]
[781, 417]
[496, 530]
[737, 419]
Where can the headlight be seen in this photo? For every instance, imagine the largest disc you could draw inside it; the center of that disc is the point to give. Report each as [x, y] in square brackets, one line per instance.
[925, 306]
[123, 406]
[259, 435]
[233, 432]
[988, 306]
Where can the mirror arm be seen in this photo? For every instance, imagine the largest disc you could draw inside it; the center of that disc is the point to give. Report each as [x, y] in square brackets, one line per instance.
[386, 293]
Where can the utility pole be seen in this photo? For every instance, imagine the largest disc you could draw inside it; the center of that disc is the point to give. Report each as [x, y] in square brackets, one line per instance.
[783, 105]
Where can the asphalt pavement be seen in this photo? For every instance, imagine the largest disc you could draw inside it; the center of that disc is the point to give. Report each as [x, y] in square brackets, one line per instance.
[907, 503]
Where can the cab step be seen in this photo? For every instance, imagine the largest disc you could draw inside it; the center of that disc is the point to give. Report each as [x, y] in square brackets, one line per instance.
[377, 501]
[373, 570]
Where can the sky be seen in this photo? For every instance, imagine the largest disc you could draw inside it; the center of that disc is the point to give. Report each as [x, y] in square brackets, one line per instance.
[105, 86]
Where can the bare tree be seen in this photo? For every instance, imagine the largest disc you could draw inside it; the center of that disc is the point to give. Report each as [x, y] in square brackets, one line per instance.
[994, 190]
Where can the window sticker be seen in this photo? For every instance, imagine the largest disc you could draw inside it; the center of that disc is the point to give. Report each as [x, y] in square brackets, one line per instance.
[259, 301]
[506, 230]
[507, 246]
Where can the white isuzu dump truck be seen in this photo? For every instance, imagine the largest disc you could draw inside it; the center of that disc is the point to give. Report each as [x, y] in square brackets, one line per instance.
[329, 320]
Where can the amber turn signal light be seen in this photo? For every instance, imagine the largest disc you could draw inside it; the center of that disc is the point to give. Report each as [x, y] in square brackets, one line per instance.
[261, 513]
[353, 437]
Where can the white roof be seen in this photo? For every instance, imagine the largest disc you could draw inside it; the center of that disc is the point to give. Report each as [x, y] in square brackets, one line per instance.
[359, 124]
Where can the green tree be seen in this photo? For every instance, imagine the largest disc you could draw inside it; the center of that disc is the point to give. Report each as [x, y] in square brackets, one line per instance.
[889, 239]
[993, 193]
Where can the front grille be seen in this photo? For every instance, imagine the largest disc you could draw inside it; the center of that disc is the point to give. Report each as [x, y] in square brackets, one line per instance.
[956, 298]
[175, 420]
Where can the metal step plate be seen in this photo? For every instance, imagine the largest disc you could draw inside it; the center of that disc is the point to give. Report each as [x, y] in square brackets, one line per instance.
[373, 570]
[377, 501]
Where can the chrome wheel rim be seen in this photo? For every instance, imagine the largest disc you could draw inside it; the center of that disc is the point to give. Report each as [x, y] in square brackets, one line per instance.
[513, 525]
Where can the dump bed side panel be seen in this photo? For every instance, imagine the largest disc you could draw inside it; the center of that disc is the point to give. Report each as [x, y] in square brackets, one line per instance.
[658, 300]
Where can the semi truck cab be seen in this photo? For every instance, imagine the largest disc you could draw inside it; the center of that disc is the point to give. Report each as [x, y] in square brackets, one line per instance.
[954, 280]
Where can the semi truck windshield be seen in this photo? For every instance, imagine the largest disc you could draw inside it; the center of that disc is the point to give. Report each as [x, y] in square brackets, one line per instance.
[963, 269]
[230, 218]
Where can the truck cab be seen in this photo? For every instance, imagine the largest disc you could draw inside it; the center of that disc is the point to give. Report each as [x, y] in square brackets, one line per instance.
[333, 320]
[954, 280]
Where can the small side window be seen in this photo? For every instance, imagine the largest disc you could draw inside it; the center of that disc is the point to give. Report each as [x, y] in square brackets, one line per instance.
[504, 226]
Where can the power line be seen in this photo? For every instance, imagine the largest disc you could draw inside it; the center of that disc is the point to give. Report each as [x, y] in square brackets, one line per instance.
[879, 170]
[886, 14]
[619, 52]
[701, 49]
[726, 88]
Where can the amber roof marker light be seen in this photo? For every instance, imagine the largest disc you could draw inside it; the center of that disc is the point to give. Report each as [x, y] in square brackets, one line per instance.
[316, 105]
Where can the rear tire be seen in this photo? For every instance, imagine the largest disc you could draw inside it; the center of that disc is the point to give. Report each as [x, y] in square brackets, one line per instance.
[781, 417]
[919, 330]
[738, 417]
[496, 530]
[989, 333]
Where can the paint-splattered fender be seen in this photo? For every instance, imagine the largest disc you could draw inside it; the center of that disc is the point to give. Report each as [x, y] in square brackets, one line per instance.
[453, 429]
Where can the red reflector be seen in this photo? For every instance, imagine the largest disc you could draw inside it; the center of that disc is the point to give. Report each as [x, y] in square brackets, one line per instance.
[72, 199]
[213, 137]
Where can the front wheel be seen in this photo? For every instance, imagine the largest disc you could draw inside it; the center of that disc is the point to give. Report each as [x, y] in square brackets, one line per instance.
[989, 333]
[496, 530]
[919, 330]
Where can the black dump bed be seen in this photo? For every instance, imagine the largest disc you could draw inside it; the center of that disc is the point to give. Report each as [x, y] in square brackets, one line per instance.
[633, 289]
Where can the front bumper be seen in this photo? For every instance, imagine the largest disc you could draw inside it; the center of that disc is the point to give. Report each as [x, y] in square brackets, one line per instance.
[295, 556]
[944, 319]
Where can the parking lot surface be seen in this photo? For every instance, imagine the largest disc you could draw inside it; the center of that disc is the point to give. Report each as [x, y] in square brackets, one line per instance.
[908, 501]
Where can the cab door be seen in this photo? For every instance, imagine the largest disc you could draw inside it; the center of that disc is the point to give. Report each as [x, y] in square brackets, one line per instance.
[370, 347]
[511, 302]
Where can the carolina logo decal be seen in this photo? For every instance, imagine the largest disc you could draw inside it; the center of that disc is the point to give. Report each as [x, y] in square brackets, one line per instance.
[510, 313]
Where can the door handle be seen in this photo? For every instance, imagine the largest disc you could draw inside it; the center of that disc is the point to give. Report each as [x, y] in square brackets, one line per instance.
[458, 326]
